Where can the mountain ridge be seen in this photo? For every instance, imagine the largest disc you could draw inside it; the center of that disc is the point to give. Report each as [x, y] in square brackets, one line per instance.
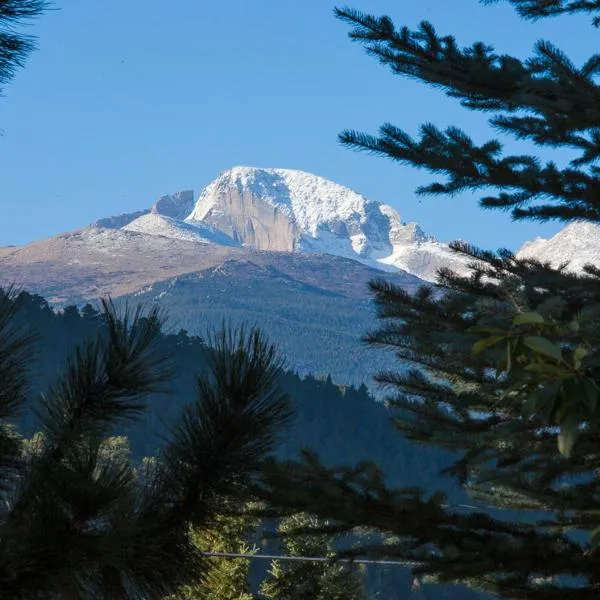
[311, 296]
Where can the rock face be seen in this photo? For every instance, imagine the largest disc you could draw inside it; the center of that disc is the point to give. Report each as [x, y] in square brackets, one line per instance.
[577, 244]
[251, 206]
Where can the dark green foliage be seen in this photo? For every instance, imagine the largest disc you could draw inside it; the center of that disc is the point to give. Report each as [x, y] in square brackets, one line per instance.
[340, 423]
[78, 520]
[537, 9]
[501, 357]
[545, 99]
[15, 345]
[15, 46]
[294, 580]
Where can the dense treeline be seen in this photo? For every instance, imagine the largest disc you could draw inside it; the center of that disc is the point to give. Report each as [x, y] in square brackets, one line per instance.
[335, 421]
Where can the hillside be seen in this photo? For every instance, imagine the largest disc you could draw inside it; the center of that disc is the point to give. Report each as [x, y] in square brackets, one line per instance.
[344, 425]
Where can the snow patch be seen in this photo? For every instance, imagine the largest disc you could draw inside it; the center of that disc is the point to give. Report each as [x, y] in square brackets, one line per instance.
[155, 224]
[578, 244]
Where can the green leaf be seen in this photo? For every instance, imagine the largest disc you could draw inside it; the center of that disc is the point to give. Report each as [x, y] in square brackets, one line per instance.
[535, 402]
[481, 345]
[569, 430]
[541, 368]
[544, 346]
[528, 318]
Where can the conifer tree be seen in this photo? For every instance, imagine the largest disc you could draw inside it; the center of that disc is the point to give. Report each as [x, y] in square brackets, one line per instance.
[505, 361]
[224, 578]
[309, 580]
[77, 520]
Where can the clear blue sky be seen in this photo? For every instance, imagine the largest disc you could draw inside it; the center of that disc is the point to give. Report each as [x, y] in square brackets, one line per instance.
[128, 100]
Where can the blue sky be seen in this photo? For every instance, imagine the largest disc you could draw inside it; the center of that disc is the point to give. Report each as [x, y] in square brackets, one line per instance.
[126, 101]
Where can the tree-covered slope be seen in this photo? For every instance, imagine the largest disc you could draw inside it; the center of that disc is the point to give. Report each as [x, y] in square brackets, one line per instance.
[340, 423]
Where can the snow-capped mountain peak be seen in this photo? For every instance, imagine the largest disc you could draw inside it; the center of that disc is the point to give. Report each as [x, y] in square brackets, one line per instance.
[577, 244]
[311, 200]
[290, 210]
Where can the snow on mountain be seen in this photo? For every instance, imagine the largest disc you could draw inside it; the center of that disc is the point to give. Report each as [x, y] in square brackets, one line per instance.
[577, 244]
[287, 210]
[157, 224]
[295, 211]
[119, 221]
[176, 206]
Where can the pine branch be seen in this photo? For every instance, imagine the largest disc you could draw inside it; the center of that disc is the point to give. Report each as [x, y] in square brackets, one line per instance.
[546, 99]
[61, 518]
[107, 380]
[547, 84]
[15, 47]
[222, 439]
[425, 530]
[15, 360]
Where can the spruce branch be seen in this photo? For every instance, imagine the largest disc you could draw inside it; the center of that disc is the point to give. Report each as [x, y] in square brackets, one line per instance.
[538, 9]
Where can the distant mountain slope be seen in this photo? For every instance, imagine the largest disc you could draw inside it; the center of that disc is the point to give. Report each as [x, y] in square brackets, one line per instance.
[317, 306]
[577, 244]
[317, 325]
[93, 262]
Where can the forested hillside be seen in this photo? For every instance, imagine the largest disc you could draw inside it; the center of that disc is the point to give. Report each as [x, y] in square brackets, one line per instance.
[340, 423]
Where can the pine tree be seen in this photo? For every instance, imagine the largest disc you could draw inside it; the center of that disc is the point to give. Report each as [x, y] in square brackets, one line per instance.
[15, 46]
[224, 578]
[77, 519]
[506, 360]
[300, 580]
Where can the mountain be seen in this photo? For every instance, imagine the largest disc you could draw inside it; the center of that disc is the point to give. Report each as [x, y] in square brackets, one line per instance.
[316, 317]
[288, 250]
[316, 306]
[86, 264]
[293, 211]
[577, 244]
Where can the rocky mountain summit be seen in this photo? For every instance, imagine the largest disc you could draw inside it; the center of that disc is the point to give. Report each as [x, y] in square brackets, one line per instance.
[294, 211]
[286, 210]
[250, 210]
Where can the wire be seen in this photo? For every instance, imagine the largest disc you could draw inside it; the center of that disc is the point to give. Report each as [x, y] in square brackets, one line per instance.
[359, 561]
